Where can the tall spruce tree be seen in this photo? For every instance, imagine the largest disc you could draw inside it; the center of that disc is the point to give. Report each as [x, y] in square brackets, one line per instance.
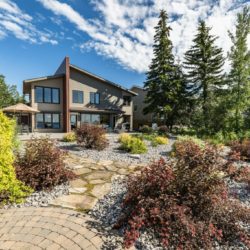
[203, 63]
[163, 81]
[239, 76]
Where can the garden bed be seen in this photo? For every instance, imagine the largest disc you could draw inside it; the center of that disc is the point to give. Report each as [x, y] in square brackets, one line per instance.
[112, 151]
[109, 209]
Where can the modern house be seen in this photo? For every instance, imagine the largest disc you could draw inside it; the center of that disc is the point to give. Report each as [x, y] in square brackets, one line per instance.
[73, 96]
[139, 119]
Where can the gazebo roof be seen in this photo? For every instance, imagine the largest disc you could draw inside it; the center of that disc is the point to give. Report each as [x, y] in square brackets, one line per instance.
[20, 108]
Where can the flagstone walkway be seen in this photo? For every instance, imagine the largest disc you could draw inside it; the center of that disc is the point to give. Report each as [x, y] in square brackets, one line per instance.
[61, 225]
[92, 183]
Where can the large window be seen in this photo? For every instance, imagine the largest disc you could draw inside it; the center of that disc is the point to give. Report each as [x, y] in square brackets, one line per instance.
[91, 118]
[48, 120]
[77, 96]
[94, 98]
[39, 94]
[47, 95]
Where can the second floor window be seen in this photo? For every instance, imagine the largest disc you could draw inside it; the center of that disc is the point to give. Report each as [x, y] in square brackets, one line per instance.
[47, 95]
[94, 98]
[77, 96]
[126, 100]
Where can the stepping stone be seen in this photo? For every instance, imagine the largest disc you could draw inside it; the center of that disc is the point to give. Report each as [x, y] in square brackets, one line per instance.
[98, 175]
[82, 171]
[132, 167]
[77, 183]
[74, 201]
[86, 160]
[111, 168]
[123, 171]
[96, 182]
[77, 166]
[100, 190]
[105, 162]
[77, 190]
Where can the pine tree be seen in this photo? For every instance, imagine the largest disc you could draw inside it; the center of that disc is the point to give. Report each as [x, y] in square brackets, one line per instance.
[239, 76]
[163, 78]
[204, 62]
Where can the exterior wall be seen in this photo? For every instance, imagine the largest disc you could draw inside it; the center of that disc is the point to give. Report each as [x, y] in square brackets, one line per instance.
[110, 96]
[138, 117]
[47, 107]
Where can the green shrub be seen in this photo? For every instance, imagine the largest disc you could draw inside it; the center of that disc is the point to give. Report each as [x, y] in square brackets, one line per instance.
[70, 137]
[41, 165]
[11, 189]
[159, 140]
[124, 138]
[146, 129]
[132, 144]
[137, 146]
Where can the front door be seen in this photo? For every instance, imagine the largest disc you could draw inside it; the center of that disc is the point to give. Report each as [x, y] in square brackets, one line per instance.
[73, 121]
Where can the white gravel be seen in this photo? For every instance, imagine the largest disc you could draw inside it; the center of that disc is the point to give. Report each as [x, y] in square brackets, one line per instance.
[113, 153]
[42, 198]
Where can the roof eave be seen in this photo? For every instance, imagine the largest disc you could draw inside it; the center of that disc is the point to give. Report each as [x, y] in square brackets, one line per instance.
[43, 78]
[103, 80]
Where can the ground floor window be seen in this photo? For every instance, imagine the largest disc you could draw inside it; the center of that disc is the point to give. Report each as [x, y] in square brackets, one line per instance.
[48, 120]
[95, 118]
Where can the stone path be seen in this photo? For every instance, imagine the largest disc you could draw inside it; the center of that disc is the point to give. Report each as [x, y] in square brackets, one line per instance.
[56, 227]
[92, 183]
[47, 228]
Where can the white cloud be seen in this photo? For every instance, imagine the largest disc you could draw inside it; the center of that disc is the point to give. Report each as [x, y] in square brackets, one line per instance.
[14, 21]
[124, 29]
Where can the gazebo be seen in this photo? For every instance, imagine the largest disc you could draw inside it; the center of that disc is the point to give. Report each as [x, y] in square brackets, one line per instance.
[23, 113]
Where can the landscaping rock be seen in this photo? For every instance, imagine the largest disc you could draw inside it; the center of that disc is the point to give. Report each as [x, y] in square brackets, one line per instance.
[77, 183]
[75, 201]
[135, 156]
[98, 175]
[77, 190]
[100, 190]
[119, 157]
[82, 171]
[96, 181]
[42, 198]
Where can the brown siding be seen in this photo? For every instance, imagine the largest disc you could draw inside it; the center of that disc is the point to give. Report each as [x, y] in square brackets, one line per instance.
[47, 107]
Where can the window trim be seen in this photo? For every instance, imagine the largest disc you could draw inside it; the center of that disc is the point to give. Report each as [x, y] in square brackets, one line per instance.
[75, 90]
[51, 115]
[95, 94]
[51, 95]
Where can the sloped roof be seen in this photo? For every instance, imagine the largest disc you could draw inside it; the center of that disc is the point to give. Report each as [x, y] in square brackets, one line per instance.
[102, 79]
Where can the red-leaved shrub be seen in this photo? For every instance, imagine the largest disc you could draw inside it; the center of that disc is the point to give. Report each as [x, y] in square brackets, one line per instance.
[163, 130]
[240, 149]
[91, 136]
[184, 202]
[41, 165]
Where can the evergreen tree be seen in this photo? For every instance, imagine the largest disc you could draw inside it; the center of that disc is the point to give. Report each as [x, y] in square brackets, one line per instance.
[239, 76]
[8, 94]
[204, 62]
[163, 81]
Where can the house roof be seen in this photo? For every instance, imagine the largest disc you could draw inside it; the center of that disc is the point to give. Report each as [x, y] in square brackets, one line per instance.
[84, 72]
[102, 79]
[43, 78]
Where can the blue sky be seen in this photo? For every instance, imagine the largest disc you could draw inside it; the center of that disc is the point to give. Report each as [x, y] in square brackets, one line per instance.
[111, 38]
